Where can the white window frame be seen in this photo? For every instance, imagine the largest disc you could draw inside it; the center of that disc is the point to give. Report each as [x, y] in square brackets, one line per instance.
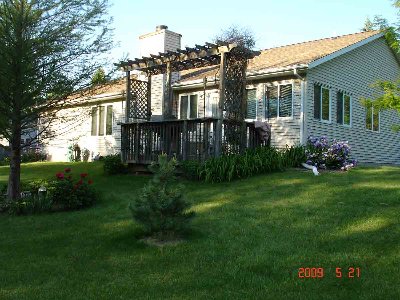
[372, 120]
[351, 110]
[189, 103]
[279, 94]
[330, 106]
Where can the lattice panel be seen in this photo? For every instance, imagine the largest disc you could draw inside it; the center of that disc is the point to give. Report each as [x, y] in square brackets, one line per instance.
[138, 106]
[235, 86]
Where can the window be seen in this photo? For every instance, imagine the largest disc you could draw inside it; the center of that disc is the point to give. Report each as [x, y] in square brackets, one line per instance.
[372, 119]
[94, 121]
[343, 109]
[212, 105]
[189, 106]
[102, 120]
[279, 101]
[109, 120]
[272, 102]
[251, 104]
[322, 103]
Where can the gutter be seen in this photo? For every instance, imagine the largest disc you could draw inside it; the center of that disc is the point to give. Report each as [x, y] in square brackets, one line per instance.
[271, 73]
[199, 83]
[84, 101]
[277, 72]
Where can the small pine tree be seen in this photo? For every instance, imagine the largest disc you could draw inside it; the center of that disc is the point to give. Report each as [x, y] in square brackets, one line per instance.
[161, 208]
[99, 77]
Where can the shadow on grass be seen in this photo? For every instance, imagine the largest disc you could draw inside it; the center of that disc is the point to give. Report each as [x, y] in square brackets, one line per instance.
[249, 239]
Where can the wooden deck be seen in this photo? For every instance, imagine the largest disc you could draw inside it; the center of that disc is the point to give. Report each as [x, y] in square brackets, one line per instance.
[193, 139]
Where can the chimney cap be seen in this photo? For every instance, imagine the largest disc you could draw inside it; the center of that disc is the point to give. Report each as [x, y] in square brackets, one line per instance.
[161, 27]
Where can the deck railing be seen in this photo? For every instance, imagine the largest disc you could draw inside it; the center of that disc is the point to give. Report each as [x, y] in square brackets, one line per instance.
[191, 139]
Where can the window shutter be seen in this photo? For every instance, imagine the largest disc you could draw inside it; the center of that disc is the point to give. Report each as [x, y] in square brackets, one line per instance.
[94, 120]
[109, 120]
[317, 101]
[184, 107]
[339, 108]
[285, 101]
[251, 104]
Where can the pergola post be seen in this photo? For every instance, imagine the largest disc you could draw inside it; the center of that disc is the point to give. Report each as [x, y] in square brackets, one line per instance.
[221, 102]
[167, 111]
[128, 96]
[148, 96]
[243, 108]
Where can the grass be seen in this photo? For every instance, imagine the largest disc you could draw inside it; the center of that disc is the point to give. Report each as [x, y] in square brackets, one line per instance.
[249, 239]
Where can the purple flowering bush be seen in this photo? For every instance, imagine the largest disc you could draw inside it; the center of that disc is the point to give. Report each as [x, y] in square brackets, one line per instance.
[325, 155]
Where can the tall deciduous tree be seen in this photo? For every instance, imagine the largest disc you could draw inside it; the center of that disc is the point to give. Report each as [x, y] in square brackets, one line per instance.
[49, 50]
[389, 91]
[239, 35]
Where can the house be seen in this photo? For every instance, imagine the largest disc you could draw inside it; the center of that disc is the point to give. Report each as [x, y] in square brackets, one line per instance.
[306, 89]
[89, 121]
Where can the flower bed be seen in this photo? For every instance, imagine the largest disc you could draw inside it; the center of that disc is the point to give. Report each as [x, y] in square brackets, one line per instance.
[329, 155]
[65, 192]
[68, 193]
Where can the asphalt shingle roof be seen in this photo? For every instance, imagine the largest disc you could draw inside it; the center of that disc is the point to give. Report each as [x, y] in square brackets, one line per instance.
[287, 56]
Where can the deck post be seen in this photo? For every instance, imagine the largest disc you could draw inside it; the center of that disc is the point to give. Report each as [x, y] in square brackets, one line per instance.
[184, 140]
[123, 144]
[136, 142]
[221, 102]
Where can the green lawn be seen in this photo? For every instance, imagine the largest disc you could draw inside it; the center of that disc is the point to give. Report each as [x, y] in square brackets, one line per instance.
[250, 238]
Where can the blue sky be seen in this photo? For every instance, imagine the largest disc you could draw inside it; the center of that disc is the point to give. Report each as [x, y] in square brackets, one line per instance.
[273, 22]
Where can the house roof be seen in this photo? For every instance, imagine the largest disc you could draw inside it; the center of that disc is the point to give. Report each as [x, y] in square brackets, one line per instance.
[300, 54]
[109, 90]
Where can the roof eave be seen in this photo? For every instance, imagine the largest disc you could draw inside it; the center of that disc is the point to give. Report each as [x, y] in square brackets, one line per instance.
[106, 97]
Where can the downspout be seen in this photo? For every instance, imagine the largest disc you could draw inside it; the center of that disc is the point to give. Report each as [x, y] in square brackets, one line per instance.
[302, 95]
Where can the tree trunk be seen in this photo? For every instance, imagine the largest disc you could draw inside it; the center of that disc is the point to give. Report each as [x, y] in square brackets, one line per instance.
[13, 191]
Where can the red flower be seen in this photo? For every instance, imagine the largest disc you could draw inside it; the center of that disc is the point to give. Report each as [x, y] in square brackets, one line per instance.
[90, 181]
[60, 175]
[79, 182]
[69, 177]
[83, 175]
[67, 170]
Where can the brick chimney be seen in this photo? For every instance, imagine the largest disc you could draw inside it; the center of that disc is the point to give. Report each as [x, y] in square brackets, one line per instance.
[161, 40]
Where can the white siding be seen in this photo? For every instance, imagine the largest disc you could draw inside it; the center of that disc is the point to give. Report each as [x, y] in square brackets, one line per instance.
[353, 73]
[284, 131]
[74, 127]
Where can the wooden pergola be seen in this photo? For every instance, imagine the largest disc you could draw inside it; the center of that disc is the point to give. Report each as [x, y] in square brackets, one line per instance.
[232, 61]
